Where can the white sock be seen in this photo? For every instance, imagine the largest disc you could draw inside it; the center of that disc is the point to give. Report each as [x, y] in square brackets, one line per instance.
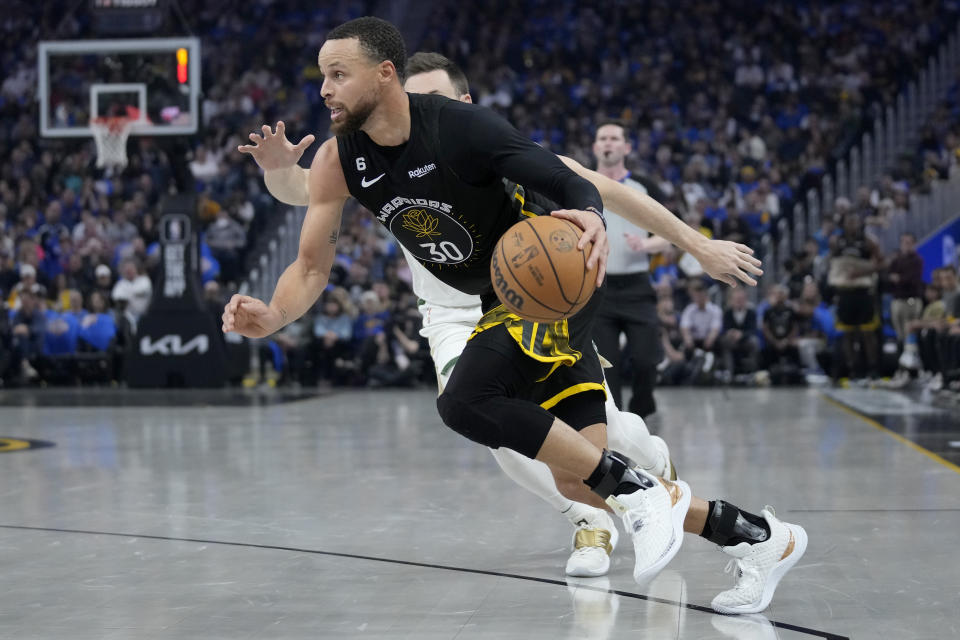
[578, 512]
[532, 475]
[628, 434]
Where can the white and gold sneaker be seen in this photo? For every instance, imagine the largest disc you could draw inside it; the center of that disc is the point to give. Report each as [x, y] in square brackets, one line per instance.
[654, 519]
[761, 566]
[593, 541]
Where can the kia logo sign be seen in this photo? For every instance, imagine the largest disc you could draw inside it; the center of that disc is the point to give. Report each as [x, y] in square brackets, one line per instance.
[171, 345]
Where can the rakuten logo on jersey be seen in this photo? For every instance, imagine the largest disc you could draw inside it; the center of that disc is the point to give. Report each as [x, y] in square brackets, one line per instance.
[422, 171]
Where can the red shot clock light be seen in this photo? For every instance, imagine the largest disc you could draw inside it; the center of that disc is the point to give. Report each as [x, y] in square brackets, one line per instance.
[182, 65]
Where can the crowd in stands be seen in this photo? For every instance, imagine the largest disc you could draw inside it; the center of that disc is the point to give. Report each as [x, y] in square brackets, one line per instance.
[847, 309]
[364, 330]
[79, 245]
[733, 109]
[719, 97]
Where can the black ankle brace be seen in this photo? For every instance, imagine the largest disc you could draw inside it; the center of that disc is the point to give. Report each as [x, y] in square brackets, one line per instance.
[614, 475]
[727, 525]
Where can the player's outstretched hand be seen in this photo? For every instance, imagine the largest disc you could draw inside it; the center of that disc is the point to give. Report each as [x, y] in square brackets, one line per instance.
[272, 150]
[728, 262]
[636, 243]
[593, 231]
[250, 317]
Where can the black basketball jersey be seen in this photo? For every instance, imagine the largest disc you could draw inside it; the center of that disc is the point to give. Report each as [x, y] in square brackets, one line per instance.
[447, 224]
[858, 247]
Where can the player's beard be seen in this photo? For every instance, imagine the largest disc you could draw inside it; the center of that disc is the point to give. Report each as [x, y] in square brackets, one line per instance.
[355, 118]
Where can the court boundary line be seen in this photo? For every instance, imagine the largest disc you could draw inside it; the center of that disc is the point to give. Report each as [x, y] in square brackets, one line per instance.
[826, 635]
[876, 425]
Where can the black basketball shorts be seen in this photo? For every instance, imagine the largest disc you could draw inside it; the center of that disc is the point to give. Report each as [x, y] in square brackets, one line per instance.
[566, 377]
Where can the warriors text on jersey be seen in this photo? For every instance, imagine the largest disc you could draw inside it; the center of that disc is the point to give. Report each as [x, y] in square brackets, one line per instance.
[440, 193]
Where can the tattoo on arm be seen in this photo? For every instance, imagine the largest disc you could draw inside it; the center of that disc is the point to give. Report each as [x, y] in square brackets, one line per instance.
[334, 236]
[283, 315]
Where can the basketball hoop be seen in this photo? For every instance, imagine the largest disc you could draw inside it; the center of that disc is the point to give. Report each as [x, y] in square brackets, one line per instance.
[110, 134]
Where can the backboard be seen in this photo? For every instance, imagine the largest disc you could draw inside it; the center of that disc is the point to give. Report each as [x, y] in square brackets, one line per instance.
[153, 81]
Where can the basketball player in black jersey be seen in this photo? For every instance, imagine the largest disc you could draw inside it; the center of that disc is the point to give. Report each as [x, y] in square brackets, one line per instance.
[854, 263]
[450, 223]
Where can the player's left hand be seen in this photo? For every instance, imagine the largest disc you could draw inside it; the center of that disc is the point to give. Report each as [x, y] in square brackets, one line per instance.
[272, 150]
[593, 231]
[728, 261]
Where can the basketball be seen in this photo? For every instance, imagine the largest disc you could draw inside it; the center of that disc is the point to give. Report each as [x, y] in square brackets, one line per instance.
[538, 272]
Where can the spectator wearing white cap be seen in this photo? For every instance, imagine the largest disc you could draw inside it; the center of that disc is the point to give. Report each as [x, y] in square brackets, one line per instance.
[133, 288]
[103, 281]
[28, 282]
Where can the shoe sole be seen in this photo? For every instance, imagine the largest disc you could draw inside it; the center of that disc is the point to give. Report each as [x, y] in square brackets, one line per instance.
[678, 514]
[583, 572]
[800, 547]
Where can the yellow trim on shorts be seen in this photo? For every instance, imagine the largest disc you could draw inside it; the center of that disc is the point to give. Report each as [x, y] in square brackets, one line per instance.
[873, 325]
[554, 345]
[523, 202]
[572, 391]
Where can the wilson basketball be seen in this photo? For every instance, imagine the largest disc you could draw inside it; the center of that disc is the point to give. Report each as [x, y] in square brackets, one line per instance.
[539, 273]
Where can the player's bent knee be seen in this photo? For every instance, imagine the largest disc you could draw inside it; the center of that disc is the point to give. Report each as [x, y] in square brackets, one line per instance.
[466, 417]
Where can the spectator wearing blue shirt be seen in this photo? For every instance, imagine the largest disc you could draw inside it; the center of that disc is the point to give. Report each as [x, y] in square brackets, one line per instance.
[792, 114]
[817, 334]
[98, 327]
[70, 207]
[828, 229]
[755, 215]
[370, 332]
[714, 212]
[779, 186]
[372, 320]
[60, 333]
[332, 331]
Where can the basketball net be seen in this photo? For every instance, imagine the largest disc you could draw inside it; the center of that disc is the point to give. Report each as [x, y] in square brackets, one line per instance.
[110, 134]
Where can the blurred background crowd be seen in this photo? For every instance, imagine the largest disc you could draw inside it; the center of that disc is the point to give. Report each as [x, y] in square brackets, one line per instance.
[732, 109]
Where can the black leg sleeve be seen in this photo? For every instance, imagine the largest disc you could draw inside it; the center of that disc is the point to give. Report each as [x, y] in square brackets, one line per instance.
[485, 397]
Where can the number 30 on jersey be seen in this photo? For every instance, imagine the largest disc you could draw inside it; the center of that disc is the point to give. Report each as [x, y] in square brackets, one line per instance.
[444, 251]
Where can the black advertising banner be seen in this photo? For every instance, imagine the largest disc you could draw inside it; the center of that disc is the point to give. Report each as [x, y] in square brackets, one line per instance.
[178, 342]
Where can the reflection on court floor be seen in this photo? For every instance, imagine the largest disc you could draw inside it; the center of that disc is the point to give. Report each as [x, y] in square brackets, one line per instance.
[358, 515]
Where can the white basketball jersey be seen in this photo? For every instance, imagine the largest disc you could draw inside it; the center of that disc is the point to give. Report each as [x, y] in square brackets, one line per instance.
[428, 288]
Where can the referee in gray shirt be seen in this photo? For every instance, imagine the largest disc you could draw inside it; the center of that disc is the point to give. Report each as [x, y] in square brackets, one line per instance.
[630, 304]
